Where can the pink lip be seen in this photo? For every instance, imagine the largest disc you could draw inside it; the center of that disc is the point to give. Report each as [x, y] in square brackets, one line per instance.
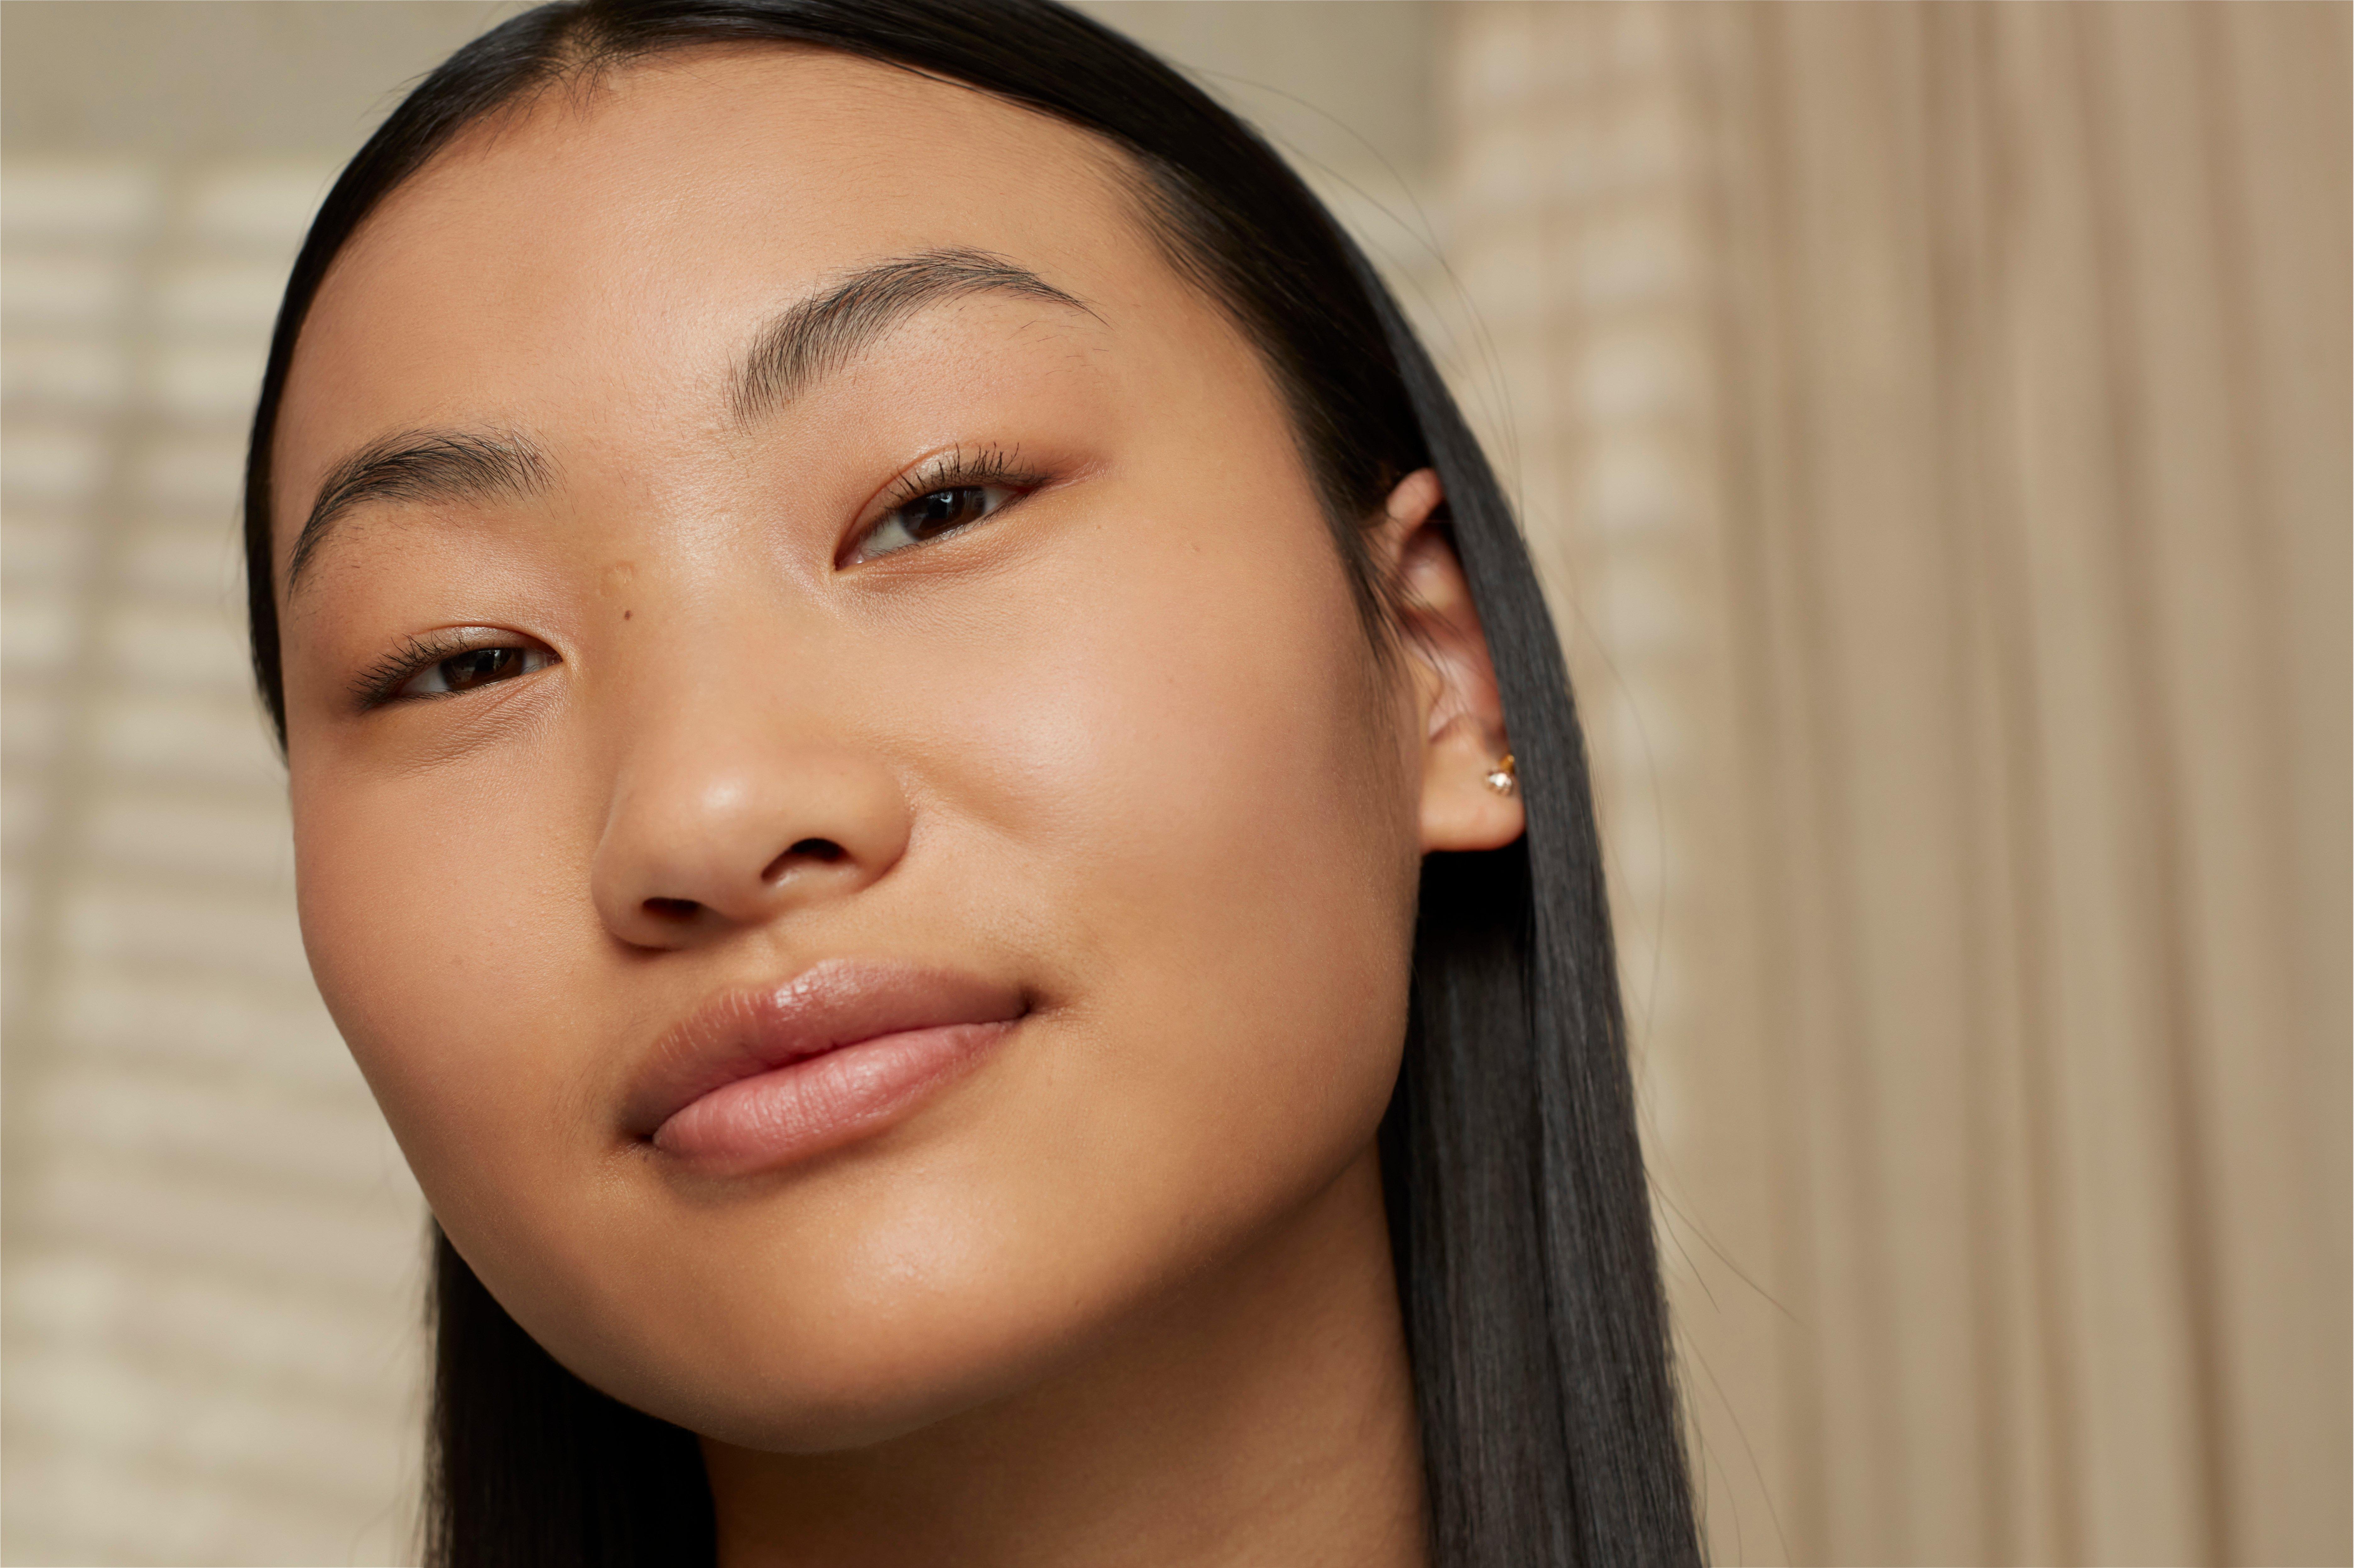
[762, 1077]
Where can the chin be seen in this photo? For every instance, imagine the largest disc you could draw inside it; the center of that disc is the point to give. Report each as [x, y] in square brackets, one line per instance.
[761, 1358]
[864, 1394]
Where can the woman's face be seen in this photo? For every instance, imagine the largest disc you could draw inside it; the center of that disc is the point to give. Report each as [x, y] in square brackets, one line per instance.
[789, 565]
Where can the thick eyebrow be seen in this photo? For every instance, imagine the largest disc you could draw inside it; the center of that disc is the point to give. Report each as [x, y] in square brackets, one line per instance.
[463, 467]
[812, 339]
[822, 334]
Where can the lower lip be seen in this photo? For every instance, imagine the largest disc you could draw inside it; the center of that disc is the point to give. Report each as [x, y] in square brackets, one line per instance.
[822, 1102]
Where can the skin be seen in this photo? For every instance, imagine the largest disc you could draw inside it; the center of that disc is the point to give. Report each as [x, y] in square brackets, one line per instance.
[1122, 1293]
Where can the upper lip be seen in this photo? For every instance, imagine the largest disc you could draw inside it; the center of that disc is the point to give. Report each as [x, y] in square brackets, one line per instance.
[838, 1002]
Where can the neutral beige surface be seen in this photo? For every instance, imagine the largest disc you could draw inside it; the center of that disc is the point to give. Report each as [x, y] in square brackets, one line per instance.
[1933, 423]
[1935, 419]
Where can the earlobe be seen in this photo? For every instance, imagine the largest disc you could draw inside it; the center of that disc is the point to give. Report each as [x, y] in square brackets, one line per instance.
[1463, 806]
[1465, 750]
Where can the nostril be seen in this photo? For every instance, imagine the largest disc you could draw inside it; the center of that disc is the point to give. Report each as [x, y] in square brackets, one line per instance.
[672, 909]
[823, 851]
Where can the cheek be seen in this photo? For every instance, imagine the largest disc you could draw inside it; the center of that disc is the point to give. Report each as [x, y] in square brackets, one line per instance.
[1201, 770]
[447, 922]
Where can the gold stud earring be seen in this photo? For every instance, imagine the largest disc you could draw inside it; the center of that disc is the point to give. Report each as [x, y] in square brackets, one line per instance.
[1502, 777]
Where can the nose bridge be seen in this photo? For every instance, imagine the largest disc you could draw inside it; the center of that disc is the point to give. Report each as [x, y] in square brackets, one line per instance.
[742, 789]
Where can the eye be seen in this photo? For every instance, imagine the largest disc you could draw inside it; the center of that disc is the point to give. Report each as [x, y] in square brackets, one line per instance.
[931, 515]
[471, 668]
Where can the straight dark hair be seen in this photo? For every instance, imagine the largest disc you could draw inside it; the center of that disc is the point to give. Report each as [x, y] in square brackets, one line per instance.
[1520, 1215]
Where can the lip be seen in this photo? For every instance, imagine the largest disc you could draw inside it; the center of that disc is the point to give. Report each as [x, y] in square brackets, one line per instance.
[769, 1074]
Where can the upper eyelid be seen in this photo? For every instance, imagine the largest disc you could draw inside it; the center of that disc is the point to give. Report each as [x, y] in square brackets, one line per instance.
[942, 470]
[383, 679]
[415, 651]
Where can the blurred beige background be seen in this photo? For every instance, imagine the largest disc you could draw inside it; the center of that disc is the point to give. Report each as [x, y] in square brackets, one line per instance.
[1933, 423]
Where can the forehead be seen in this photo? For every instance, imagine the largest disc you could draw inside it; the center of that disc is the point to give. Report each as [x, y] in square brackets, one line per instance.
[609, 249]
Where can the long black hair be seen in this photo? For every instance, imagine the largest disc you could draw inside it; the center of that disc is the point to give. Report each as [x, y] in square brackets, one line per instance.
[1519, 1213]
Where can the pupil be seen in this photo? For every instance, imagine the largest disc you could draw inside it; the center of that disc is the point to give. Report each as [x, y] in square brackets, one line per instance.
[942, 509]
[474, 668]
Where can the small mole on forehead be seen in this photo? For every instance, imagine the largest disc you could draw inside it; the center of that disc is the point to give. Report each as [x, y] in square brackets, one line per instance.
[627, 613]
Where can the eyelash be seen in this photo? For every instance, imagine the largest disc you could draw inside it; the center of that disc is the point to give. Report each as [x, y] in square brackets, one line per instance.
[380, 682]
[990, 465]
[955, 470]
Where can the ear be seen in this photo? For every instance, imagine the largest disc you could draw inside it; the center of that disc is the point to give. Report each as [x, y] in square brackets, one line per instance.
[1461, 720]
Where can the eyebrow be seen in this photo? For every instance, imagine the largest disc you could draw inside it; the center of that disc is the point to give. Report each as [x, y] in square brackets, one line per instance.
[821, 335]
[814, 338]
[461, 467]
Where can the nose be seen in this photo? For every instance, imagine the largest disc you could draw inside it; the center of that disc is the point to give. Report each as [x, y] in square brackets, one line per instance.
[729, 823]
